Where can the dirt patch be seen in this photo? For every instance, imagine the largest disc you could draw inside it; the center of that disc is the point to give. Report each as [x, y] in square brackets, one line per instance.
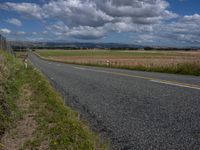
[15, 138]
[25, 100]
[44, 145]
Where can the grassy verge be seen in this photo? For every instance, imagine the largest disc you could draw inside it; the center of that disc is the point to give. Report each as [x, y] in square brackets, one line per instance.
[9, 92]
[56, 125]
[190, 67]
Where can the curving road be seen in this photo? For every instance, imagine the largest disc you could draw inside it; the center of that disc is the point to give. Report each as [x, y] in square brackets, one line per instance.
[134, 109]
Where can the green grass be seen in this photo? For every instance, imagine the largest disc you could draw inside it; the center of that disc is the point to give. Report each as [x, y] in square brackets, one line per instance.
[185, 69]
[99, 53]
[9, 91]
[56, 121]
[57, 124]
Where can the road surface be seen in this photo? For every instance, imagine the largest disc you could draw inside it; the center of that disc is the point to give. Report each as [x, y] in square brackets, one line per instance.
[134, 109]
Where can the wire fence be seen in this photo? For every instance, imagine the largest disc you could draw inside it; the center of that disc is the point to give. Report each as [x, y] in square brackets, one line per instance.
[4, 45]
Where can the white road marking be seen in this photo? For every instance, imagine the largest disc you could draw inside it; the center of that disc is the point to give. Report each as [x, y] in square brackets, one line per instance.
[176, 84]
[79, 68]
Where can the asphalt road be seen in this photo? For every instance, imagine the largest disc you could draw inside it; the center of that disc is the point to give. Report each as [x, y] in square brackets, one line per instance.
[134, 109]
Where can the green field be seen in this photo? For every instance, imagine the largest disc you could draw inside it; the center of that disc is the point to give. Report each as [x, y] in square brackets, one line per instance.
[179, 62]
[99, 53]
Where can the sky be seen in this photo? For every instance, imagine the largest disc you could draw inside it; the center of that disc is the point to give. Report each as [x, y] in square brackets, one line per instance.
[140, 22]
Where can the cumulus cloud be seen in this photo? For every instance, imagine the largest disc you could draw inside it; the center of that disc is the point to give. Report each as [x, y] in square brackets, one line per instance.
[29, 9]
[86, 32]
[136, 9]
[149, 20]
[81, 32]
[14, 21]
[192, 18]
[77, 12]
[5, 31]
[185, 30]
[96, 12]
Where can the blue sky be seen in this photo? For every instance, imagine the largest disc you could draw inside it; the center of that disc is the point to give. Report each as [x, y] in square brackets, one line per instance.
[185, 7]
[152, 22]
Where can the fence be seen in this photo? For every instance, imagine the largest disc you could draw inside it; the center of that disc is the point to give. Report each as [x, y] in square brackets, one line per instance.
[4, 45]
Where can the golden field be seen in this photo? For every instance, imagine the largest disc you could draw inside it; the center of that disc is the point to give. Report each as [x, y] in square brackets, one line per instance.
[160, 61]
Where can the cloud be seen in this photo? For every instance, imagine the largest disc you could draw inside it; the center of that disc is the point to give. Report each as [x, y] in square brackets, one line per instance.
[81, 32]
[5, 31]
[19, 33]
[134, 9]
[96, 13]
[86, 32]
[192, 18]
[185, 30]
[148, 20]
[76, 12]
[34, 33]
[14, 21]
[144, 38]
[28, 9]
[105, 16]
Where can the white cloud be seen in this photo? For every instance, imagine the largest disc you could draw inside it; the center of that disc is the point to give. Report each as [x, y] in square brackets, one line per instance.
[96, 12]
[20, 33]
[144, 38]
[185, 30]
[192, 18]
[86, 32]
[29, 9]
[149, 20]
[81, 32]
[5, 31]
[76, 12]
[14, 21]
[34, 33]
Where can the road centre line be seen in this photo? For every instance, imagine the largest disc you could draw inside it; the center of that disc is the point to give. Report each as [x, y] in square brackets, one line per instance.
[175, 84]
[79, 68]
[186, 85]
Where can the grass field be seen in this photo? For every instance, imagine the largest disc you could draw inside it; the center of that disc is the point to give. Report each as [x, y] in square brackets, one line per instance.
[33, 115]
[158, 61]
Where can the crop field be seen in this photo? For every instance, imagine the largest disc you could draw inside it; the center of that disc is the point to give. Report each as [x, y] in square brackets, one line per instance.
[180, 62]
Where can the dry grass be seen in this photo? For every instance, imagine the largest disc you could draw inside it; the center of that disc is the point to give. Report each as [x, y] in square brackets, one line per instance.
[172, 62]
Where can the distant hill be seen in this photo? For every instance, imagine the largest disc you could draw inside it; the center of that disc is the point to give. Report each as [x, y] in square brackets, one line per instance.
[72, 45]
[20, 45]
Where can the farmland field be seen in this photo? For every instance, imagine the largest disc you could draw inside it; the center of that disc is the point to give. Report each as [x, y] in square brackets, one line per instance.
[159, 61]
